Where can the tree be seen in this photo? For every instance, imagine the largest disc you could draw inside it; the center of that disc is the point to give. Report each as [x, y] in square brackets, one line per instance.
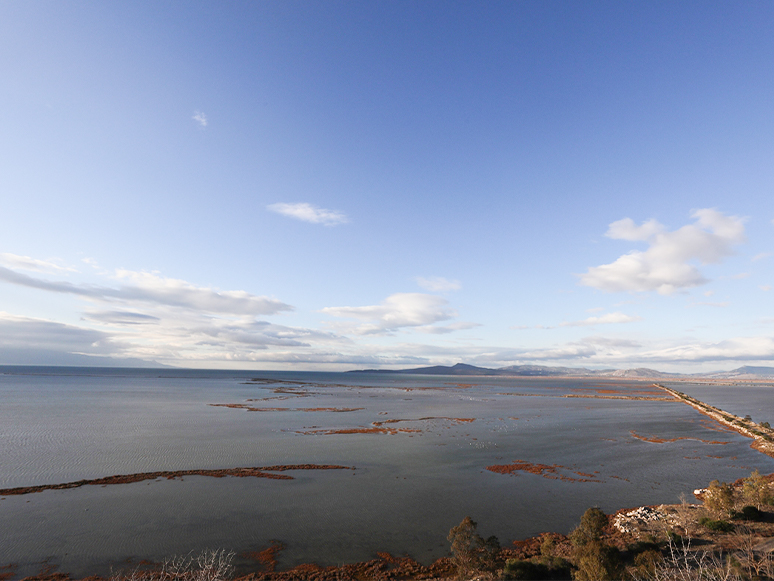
[720, 498]
[594, 560]
[592, 523]
[756, 490]
[470, 552]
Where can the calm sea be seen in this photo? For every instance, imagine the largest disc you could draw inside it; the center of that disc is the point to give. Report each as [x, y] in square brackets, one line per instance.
[408, 487]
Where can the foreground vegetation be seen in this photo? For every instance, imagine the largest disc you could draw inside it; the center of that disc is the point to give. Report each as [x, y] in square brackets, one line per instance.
[729, 537]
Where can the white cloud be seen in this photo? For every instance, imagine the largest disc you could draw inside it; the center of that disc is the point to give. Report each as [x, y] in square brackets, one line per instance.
[442, 330]
[609, 318]
[154, 289]
[438, 284]
[395, 312]
[626, 229]
[765, 287]
[760, 256]
[309, 213]
[200, 118]
[704, 304]
[32, 264]
[666, 266]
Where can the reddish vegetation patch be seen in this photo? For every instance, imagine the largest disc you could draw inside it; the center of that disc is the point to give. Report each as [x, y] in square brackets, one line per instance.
[657, 440]
[267, 557]
[524, 549]
[379, 427]
[544, 470]
[624, 391]
[453, 420]
[7, 572]
[257, 472]
[384, 567]
[242, 406]
[391, 431]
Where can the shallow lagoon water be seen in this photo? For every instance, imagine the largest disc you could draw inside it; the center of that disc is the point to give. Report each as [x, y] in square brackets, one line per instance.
[407, 488]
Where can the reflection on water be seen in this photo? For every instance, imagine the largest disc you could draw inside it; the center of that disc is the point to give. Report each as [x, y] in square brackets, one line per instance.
[421, 446]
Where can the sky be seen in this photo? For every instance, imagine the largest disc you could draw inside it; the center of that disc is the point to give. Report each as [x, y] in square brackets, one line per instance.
[343, 185]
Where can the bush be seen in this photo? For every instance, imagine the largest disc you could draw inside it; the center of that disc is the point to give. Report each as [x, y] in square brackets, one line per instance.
[596, 562]
[214, 565]
[720, 526]
[518, 569]
[750, 513]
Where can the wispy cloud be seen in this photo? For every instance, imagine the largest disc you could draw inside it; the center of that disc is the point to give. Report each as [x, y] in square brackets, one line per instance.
[760, 256]
[666, 266]
[609, 318]
[32, 264]
[309, 213]
[200, 118]
[154, 289]
[438, 284]
[443, 330]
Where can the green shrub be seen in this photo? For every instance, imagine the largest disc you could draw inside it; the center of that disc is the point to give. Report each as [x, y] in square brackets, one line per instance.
[750, 513]
[596, 562]
[720, 526]
[518, 569]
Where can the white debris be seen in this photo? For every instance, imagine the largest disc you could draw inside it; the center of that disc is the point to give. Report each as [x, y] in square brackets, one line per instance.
[634, 520]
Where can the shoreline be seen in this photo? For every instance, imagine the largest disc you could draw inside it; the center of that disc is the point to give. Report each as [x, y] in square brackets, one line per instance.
[763, 438]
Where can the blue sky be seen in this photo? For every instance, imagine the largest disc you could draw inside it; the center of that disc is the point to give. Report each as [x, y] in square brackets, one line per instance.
[338, 185]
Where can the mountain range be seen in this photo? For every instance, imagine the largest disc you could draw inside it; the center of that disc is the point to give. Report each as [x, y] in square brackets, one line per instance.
[745, 372]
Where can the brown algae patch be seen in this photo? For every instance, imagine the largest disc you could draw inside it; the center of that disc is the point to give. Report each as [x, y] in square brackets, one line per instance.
[657, 440]
[254, 472]
[267, 557]
[380, 427]
[551, 471]
[243, 406]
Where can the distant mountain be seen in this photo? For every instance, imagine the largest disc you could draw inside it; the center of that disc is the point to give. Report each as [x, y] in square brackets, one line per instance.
[459, 369]
[522, 371]
[543, 370]
[641, 372]
[745, 372]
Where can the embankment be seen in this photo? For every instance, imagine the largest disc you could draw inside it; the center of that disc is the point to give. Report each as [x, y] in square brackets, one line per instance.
[763, 438]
